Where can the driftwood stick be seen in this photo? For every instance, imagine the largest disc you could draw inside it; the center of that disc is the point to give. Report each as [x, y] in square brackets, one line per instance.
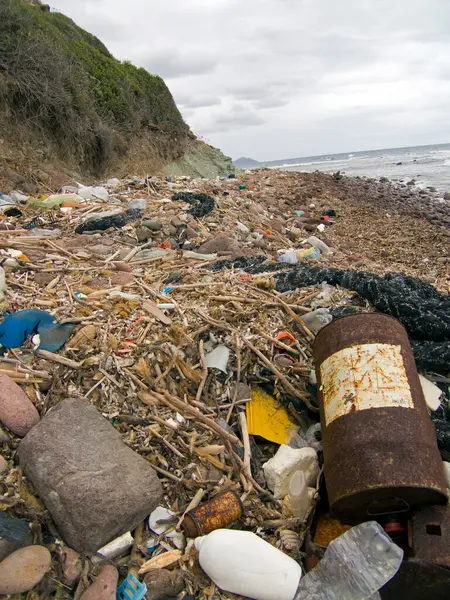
[198, 397]
[173, 402]
[289, 387]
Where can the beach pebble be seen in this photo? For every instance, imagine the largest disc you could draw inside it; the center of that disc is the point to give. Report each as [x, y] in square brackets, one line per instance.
[220, 243]
[24, 569]
[17, 412]
[162, 583]
[277, 225]
[3, 465]
[104, 587]
[191, 233]
[75, 458]
[123, 266]
[122, 278]
[152, 225]
[142, 234]
[72, 567]
[4, 437]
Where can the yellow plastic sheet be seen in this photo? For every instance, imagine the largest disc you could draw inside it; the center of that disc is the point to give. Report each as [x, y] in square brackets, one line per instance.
[268, 418]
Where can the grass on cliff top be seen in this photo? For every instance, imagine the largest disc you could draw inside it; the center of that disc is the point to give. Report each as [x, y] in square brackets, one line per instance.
[64, 80]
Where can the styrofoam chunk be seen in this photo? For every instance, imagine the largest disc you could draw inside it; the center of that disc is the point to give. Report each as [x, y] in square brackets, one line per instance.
[279, 469]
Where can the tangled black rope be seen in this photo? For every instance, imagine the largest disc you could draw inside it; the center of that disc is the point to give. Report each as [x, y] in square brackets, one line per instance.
[202, 203]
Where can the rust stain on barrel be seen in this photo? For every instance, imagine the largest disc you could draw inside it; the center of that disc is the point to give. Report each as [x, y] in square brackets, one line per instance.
[219, 512]
[378, 440]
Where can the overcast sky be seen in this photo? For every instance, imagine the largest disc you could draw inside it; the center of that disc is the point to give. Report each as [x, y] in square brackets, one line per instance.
[274, 79]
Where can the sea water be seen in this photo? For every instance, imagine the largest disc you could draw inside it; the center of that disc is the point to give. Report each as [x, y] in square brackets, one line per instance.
[428, 166]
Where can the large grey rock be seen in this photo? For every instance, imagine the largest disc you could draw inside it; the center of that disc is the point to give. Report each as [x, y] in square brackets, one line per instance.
[94, 486]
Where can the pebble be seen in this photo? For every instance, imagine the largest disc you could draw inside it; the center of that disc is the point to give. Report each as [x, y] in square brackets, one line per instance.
[72, 567]
[142, 234]
[123, 266]
[152, 224]
[162, 583]
[24, 569]
[104, 587]
[4, 437]
[191, 233]
[122, 278]
[17, 412]
[4, 467]
[277, 225]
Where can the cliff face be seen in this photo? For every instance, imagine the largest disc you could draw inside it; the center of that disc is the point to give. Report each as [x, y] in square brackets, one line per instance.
[68, 107]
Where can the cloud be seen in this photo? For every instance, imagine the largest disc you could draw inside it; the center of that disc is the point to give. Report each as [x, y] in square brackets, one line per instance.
[304, 77]
[172, 64]
[195, 101]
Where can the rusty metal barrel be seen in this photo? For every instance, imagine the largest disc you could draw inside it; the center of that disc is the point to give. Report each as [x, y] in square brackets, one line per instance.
[379, 444]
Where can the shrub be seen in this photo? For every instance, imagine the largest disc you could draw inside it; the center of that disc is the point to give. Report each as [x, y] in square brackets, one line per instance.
[63, 80]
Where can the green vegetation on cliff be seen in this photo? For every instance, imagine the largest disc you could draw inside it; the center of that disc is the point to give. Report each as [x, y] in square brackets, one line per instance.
[63, 82]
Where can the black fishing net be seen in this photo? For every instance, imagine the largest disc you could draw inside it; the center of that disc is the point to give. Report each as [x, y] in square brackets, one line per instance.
[104, 223]
[423, 311]
[432, 356]
[202, 203]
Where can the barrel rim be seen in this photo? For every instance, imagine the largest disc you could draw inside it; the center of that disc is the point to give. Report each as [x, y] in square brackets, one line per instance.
[356, 316]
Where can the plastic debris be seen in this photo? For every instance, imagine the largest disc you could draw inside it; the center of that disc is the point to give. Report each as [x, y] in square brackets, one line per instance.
[218, 358]
[431, 393]
[298, 495]
[268, 418]
[131, 589]
[316, 243]
[317, 319]
[162, 514]
[279, 469]
[117, 547]
[242, 563]
[13, 529]
[17, 327]
[355, 566]
[53, 338]
[292, 258]
[93, 192]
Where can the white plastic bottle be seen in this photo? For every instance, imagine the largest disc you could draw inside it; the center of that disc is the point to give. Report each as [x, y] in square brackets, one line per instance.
[242, 563]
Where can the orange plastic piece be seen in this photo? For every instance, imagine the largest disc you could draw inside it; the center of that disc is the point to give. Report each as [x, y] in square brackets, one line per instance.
[71, 204]
[286, 338]
[166, 245]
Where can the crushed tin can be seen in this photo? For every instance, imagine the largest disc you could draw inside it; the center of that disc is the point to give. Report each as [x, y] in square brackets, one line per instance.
[218, 513]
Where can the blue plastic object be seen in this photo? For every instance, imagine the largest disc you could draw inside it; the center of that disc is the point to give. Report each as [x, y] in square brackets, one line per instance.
[53, 338]
[131, 589]
[17, 327]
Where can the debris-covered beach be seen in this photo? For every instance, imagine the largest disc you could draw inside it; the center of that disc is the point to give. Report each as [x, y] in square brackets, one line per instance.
[167, 356]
